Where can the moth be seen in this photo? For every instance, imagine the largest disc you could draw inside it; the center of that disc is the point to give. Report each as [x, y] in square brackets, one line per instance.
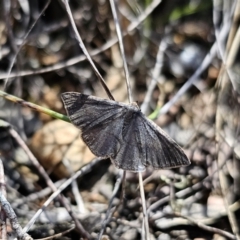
[122, 133]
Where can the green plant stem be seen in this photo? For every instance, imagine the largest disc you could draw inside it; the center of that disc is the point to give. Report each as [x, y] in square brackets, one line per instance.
[34, 106]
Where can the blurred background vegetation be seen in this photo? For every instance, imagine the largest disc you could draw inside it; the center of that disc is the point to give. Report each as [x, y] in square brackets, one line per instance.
[183, 58]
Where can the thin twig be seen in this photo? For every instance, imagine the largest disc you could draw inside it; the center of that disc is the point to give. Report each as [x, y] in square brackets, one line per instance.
[58, 235]
[74, 185]
[37, 195]
[224, 86]
[234, 49]
[144, 15]
[217, 13]
[109, 212]
[205, 63]
[56, 193]
[205, 227]
[5, 205]
[3, 218]
[23, 42]
[41, 170]
[155, 74]
[144, 206]
[6, 208]
[82, 46]
[121, 46]
[95, 52]
[182, 194]
[33, 106]
[234, 26]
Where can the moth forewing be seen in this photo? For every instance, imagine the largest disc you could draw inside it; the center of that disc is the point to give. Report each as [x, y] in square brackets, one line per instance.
[121, 132]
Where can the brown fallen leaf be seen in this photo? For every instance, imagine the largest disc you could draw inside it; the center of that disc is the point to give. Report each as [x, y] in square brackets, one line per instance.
[58, 140]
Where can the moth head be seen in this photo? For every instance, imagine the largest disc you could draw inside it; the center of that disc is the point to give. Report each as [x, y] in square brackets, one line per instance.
[134, 104]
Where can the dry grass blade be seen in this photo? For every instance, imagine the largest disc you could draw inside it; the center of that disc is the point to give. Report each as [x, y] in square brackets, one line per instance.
[121, 46]
[194, 78]
[207, 228]
[110, 211]
[42, 171]
[58, 191]
[7, 212]
[174, 55]
[82, 58]
[226, 82]
[23, 42]
[81, 44]
[155, 74]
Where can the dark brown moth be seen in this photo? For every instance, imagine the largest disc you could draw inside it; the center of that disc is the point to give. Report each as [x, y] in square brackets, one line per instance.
[122, 133]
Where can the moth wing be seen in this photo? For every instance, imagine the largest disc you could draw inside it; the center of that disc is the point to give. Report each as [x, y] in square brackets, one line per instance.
[100, 121]
[161, 151]
[131, 155]
[114, 130]
[84, 110]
